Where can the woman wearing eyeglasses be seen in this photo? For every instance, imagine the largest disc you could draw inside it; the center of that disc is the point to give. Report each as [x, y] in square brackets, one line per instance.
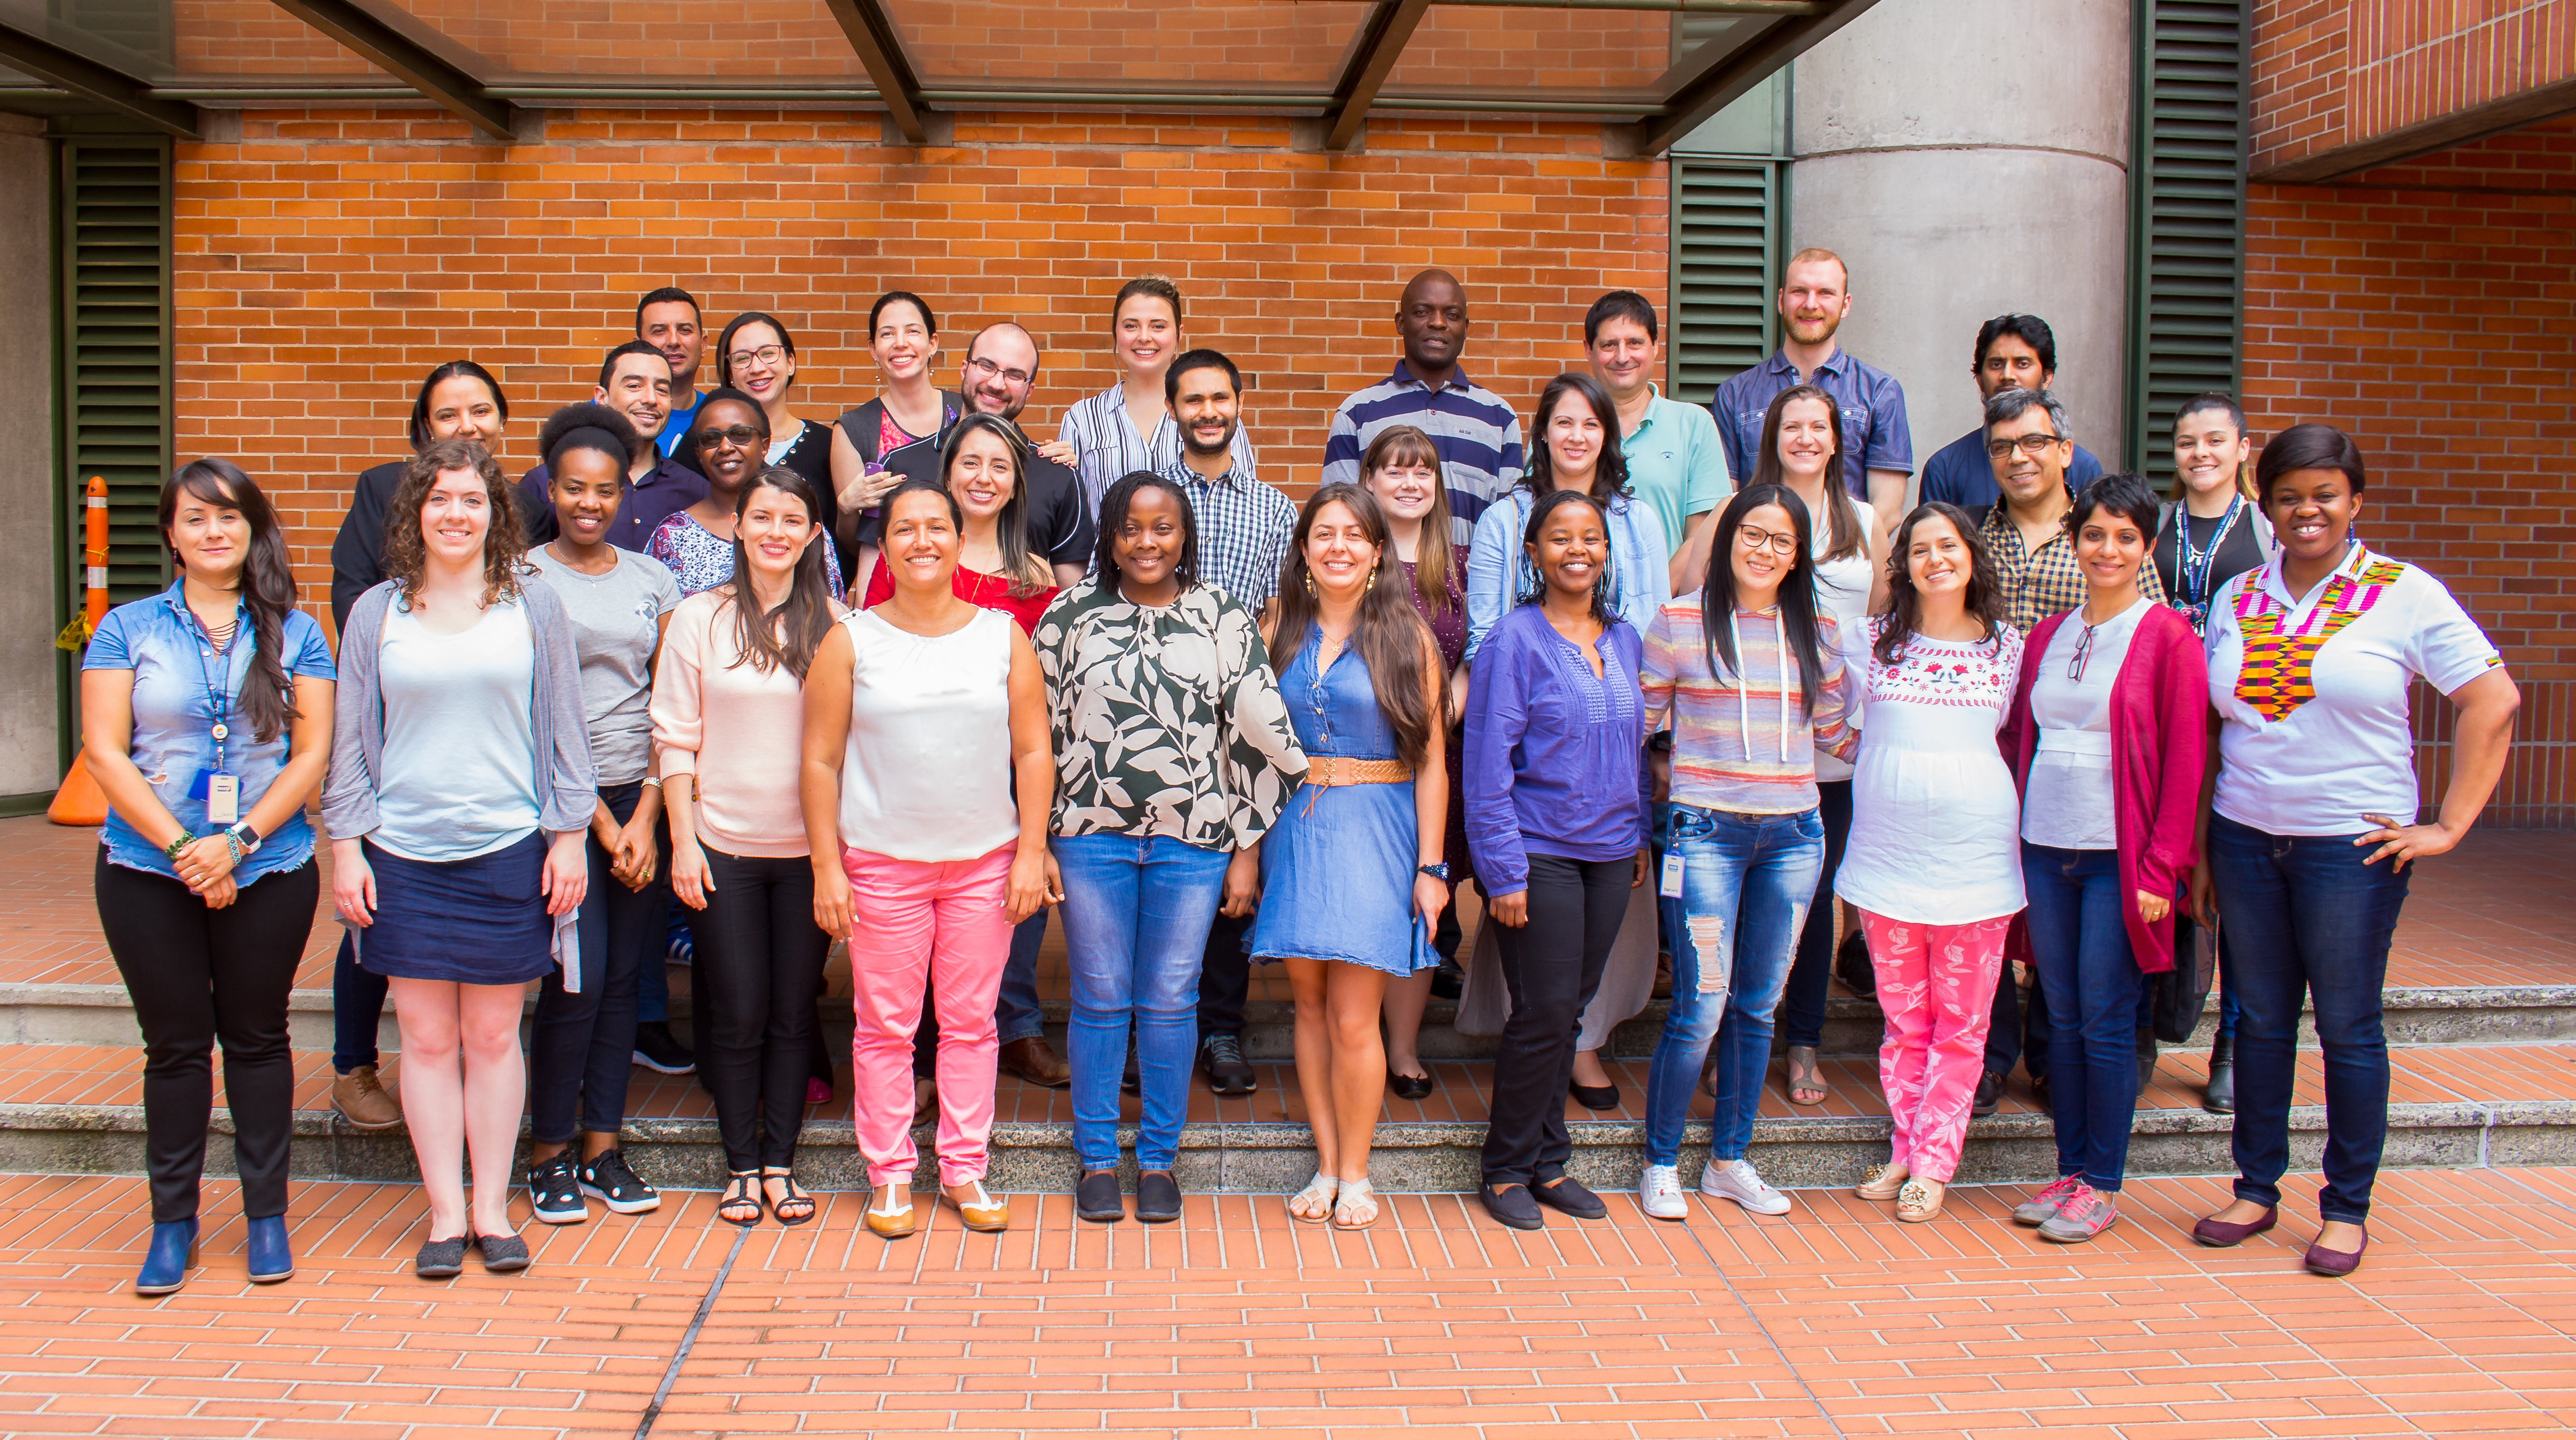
[2106, 735]
[757, 356]
[730, 438]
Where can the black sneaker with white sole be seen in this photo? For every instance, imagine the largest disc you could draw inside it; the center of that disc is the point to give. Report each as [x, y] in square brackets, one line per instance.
[554, 1191]
[616, 1186]
[657, 1049]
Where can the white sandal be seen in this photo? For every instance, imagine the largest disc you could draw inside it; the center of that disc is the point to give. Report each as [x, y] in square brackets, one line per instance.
[1317, 1197]
[1355, 1194]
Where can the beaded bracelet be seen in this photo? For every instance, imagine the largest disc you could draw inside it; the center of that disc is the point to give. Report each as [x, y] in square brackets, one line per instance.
[186, 839]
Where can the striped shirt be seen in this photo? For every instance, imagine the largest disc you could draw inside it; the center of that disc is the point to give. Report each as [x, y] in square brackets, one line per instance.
[1477, 435]
[1746, 744]
[1244, 527]
[1107, 447]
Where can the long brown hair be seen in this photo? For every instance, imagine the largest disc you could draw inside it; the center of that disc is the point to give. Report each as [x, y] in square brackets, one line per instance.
[1842, 518]
[1985, 599]
[1028, 573]
[790, 634]
[1389, 633]
[505, 540]
[1433, 562]
[267, 583]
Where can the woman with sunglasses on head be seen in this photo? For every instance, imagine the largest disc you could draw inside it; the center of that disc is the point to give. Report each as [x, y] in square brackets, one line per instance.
[2107, 730]
[581, 1046]
[206, 720]
[757, 356]
[461, 788]
[728, 731]
[1933, 869]
[909, 410]
[1173, 757]
[1752, 699]
[1352, 876]
[730, 439]
[2310, 830]
[1557, 796]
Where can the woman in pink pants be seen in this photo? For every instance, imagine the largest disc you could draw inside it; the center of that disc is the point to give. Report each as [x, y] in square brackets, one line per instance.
[919, 716]
[1934, 862]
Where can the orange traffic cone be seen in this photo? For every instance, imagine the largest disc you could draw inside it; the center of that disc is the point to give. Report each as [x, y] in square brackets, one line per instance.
[80, 801]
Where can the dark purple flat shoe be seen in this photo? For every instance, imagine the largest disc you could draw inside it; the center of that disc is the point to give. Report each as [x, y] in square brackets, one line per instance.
[2220, 1234]
[2335, 1264]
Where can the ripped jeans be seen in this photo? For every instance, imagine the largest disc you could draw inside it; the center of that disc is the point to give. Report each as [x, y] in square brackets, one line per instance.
[1747, 882]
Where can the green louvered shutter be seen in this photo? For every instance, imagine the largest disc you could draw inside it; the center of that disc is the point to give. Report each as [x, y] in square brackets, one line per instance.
[1725, 247]
[116, 333]
[2187, 212]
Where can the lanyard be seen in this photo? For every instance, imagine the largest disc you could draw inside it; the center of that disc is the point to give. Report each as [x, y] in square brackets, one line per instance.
[217, 678]
[2192, 573]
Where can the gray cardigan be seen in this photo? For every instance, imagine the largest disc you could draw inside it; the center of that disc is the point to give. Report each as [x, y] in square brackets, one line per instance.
[568, 785]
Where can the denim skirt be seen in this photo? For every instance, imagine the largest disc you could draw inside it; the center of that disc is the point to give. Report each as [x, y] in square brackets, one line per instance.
[481, 921]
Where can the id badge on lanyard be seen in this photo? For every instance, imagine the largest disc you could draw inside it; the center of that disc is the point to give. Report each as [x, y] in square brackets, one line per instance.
[217, 785]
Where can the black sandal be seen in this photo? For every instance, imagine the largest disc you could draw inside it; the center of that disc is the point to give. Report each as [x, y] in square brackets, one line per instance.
[741, 1193]
[793, 1197]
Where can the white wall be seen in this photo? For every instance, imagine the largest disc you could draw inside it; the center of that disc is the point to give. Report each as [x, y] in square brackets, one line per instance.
[27, 654]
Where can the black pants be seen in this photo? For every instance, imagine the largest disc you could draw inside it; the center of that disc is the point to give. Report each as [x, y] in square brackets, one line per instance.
[759, 957]
[1551, 966]
[1225, 977]
[582, 1046]
[199, 976]
[2014, 1031]
[1802, 1001]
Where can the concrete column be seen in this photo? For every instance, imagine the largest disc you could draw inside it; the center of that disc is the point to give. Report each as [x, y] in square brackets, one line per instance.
[27, 655]
[1967, 161]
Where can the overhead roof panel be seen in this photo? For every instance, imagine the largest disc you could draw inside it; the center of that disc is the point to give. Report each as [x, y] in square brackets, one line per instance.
[700, 41]
[1239, 46]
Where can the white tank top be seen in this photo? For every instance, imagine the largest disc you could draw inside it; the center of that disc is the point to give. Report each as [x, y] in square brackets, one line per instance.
[928, 772]
[1842, 596]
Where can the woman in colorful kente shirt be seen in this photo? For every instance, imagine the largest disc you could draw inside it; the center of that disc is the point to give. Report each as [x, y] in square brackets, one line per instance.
[2310, 657]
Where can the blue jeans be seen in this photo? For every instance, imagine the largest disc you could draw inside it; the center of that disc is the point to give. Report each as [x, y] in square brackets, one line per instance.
[1748, 880]
[357, 1008]
[1016, 1012]
[2300, 915]
[1136, 917]
[2090, 975]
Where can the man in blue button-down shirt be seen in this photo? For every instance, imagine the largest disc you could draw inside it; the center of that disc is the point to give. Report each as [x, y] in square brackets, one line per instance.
[1878, 448]
[2014, 352]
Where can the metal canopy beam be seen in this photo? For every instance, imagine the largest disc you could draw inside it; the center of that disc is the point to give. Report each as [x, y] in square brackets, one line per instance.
[1381, 40]
[872, 35]
[396, 54]
[90, 80]
[1739, 73]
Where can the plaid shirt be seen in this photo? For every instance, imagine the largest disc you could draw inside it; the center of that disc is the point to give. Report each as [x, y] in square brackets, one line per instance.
[1243, 530]
[2046, 582]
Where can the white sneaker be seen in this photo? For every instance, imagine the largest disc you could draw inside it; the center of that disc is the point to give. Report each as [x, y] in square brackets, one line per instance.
[1738, 1181]
[1660, 1194]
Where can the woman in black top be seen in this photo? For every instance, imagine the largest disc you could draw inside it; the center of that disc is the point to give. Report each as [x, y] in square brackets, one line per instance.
[2209, 536]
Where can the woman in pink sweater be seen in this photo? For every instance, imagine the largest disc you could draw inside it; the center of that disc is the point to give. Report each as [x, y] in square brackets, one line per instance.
[2106, 737]
[729, 725]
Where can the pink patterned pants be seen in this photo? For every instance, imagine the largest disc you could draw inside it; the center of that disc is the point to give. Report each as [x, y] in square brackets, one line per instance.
[1936, 985]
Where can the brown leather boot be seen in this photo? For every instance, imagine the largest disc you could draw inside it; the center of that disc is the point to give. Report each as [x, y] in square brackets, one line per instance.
[1035, 1061]
[364, 1102]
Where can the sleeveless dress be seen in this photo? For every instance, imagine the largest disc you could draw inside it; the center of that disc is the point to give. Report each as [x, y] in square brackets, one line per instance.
[1337, 870]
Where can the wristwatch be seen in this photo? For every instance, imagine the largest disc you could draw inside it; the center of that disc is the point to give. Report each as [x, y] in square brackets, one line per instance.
[243, 836]
[1437, 869]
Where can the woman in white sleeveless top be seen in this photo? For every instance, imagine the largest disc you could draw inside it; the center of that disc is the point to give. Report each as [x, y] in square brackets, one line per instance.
[919, 715]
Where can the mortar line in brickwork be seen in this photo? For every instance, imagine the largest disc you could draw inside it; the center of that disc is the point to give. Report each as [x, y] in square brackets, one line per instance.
[689, 1338]
[1777, 1350]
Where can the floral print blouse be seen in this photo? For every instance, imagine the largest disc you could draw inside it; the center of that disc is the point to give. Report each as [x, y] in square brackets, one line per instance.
[1167, 719]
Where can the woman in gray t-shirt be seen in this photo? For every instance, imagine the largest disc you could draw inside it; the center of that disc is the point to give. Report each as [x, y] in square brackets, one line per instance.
[619, 602]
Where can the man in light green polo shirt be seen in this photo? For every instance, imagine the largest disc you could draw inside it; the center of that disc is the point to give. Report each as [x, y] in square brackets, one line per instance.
[1675, 461]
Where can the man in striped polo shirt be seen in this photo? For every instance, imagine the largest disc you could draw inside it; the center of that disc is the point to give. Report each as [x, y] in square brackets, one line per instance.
[1476, 433]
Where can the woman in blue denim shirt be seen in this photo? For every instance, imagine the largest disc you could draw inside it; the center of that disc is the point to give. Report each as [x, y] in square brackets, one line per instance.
[206, 718]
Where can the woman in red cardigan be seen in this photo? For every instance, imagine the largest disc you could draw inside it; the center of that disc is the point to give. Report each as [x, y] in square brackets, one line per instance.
[2108, 731]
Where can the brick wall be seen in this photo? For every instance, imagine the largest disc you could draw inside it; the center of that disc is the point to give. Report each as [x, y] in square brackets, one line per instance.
[2329, 73]
[328, 260]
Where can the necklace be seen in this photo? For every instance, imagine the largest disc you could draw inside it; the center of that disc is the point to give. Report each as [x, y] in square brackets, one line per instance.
[2193, 570]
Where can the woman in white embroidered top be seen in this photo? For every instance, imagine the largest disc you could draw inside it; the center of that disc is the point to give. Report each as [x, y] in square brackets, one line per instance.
[2310, 657]
[1934, 862]
[921, 714]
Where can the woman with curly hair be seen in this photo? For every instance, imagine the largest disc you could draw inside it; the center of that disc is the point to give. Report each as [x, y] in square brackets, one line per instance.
[461, 787]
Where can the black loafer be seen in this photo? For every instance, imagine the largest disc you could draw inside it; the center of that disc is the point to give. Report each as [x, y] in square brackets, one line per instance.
[1851, 965]
[1448, 982]
[1407, 1087]
[1567, 1194]
[440, 1259]
[1990, 1094]
[502, 1254]
[1512, 1206]
[1594, 1097]
[1097, 1198]
[1158, 1197]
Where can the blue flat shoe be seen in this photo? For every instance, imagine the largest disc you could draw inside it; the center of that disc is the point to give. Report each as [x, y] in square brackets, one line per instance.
[165, 1265]
[271, 1260]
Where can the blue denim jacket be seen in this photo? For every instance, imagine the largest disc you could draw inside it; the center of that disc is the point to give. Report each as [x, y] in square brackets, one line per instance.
[174, 717]
[1638, 580]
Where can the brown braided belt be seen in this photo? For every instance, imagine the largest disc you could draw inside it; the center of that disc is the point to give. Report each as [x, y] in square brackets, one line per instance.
[1324, 771]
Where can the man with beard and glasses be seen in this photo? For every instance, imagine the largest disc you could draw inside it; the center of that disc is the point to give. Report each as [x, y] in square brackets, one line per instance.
[1243, 527]
[1000, 373]
[1473, 430]
[1878, 448]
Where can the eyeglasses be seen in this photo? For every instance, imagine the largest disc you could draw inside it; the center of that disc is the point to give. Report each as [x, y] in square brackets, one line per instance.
[1782, 542]
[1016, 379]
[2033, 445]
[742, 436]
[766, 355]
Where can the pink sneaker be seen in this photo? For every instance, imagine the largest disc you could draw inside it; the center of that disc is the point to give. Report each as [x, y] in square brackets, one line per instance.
[2040, 1208]
[2086, 1213]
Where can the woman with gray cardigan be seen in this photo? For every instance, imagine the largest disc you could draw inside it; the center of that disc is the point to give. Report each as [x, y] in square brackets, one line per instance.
[460, 789]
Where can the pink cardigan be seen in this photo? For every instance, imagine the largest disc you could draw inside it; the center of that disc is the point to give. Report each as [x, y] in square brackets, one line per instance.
[2159, 740]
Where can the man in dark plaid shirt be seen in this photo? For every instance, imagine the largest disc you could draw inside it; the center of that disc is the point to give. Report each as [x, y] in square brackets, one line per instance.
[2030, 446]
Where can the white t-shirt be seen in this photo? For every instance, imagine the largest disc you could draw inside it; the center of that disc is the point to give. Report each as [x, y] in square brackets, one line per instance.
[2317, 734]
[2069, 804]
[927, 775]
[1842, 595]
[460, 756]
